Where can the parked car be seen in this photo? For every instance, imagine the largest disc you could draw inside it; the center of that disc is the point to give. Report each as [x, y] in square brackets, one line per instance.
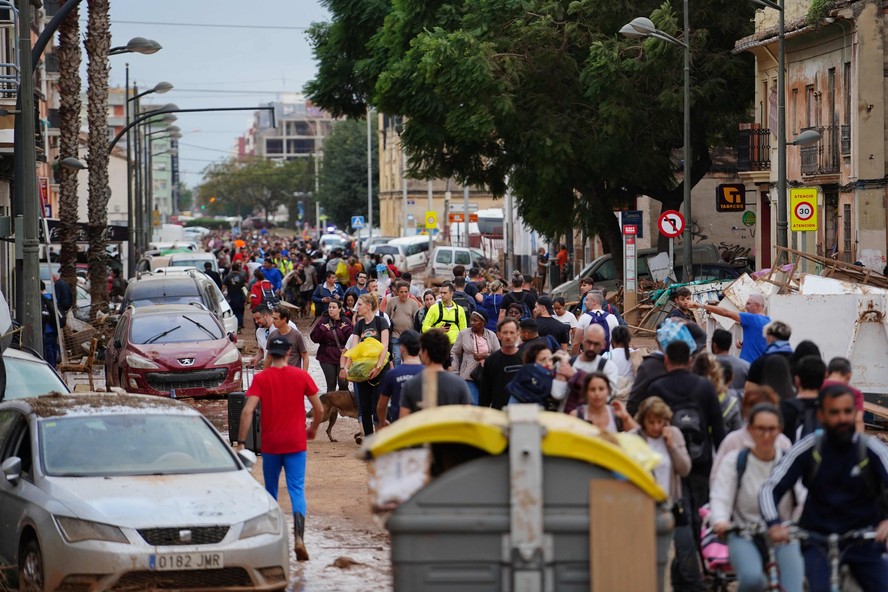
[28, 375]
[444, 259]
[195, 259]
[414, 252]
[127, 492]
[172, 350]
[178, 286]
[370, 241]
[331, 242]
[603, 271]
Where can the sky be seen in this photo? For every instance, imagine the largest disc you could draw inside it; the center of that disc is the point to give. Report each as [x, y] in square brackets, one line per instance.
[216, 53]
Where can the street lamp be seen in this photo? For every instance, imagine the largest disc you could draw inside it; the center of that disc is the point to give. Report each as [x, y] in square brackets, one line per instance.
[137, 45]
[805, 138]
[641, 27]
[73, 163]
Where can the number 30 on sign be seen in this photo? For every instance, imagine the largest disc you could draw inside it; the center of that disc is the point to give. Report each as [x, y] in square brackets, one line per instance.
[803, 209]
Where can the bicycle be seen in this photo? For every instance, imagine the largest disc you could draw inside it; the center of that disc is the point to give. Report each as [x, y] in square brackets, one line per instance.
[833, 542]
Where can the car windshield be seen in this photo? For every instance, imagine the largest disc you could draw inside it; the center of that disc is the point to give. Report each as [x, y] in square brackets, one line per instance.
[387, 250]
[157, 328]
[195, 263]
[30, 378]
[136, 443]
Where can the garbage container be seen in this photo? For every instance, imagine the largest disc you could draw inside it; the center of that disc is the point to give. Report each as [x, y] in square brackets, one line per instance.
[513, 520]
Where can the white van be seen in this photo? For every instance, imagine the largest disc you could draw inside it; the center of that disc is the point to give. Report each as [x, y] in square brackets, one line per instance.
[414, 251]
[444, 259]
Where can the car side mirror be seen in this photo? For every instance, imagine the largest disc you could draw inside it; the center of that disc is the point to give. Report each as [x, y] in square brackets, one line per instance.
[12, 469]
[232, 338]
[117, 344]
[248, 457]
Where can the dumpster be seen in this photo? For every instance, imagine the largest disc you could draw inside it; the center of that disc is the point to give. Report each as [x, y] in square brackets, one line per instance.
[515, 515]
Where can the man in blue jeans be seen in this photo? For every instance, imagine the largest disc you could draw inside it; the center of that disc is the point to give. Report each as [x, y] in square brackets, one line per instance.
[281, 388]
[846, 475]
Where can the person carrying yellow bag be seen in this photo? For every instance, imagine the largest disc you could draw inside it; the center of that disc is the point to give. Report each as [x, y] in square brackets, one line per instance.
[370, 335]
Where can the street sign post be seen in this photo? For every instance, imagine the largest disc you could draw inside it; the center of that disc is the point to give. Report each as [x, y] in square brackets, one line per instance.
[431, 220]
[357, 222]
[671, 224]
[630, 272]
[803, 214]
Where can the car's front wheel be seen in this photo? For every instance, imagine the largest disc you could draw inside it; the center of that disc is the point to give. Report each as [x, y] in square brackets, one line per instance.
[30, 568]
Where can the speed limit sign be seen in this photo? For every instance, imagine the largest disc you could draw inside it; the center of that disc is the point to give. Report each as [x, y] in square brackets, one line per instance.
[803, 209]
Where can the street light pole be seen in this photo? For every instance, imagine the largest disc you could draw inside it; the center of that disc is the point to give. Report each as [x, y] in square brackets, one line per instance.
[641, 27]
[782, 222]
[369, 172]
[26, 188]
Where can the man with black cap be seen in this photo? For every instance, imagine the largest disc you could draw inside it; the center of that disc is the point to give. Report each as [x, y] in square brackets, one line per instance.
[281, 388]
[547, 324]
[390, 390]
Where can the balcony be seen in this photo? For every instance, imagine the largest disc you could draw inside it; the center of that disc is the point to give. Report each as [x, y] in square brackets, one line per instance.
[753, 148]
[823, 158]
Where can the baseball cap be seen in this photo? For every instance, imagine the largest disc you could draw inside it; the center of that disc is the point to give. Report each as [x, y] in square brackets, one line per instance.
[546, 303]
[278, 345]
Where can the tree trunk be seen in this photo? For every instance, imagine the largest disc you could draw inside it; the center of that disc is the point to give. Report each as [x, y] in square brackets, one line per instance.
[98, 44]
[69, 140]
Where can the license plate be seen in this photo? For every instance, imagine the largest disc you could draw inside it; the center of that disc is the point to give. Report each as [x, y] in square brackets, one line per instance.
[178, 561]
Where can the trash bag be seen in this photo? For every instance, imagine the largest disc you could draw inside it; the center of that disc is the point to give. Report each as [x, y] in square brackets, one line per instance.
[364, 358]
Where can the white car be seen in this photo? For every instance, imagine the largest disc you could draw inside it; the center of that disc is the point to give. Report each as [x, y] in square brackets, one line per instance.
[115, 491]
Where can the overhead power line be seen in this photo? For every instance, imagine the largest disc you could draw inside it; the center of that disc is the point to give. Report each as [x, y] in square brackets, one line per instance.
[210, 25]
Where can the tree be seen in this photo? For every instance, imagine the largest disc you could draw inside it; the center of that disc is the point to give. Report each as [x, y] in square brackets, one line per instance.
[69, 55]
[544, 93]
[251, 186]
[343, 176]
[98, 44]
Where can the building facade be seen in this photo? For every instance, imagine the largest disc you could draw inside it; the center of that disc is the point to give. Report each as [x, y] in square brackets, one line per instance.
[835, 84]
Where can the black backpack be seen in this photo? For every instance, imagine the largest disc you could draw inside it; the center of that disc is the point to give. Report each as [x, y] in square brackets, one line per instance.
[269, 298]
[687, 417]
[464, 300]
[526, 313]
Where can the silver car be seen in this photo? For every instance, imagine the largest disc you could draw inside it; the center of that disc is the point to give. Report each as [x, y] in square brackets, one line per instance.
[109, 491]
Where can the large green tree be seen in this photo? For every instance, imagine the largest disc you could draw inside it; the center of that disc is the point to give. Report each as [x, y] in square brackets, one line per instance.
[541, 94]
[343, 176]
[254, 186]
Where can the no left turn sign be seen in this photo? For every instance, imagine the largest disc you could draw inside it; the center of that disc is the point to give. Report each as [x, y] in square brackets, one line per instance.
[671, 223]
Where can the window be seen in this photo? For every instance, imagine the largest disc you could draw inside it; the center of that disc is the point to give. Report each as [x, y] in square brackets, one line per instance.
[846, 82]
[810, 106]
[606, 271]
[274, 146]
[794, 118]
[444, 256]
[462, 258]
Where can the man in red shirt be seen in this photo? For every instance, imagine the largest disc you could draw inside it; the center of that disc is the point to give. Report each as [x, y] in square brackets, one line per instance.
[281, 388]
[561, 258]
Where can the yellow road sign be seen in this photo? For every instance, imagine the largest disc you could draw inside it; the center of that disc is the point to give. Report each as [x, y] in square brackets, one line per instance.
[803, 209]
[431, 220]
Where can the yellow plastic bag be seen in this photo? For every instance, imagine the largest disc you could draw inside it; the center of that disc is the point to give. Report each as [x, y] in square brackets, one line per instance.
[342, 272]
[364, 357]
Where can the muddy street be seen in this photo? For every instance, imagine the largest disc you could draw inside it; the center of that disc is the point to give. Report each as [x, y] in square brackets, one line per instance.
[348, 546]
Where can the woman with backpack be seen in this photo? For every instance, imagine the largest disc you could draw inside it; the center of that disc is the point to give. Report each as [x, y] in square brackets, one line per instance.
[533, 381]
[331, 333]
[428, 301]
[734, 503]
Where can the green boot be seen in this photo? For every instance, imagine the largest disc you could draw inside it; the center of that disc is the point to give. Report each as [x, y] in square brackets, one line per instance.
[298, 534]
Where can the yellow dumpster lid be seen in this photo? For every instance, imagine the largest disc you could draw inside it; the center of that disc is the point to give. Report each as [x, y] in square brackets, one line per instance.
[487, 429]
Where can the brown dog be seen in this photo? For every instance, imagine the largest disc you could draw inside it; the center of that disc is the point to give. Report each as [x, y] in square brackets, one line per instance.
[338, 403]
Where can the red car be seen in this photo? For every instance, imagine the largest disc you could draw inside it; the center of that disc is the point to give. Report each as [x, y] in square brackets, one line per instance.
[178, 350]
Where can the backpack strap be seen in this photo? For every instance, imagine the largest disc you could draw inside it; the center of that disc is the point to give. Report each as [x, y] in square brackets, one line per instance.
[742, 461]
[602, 362]
[816, 457]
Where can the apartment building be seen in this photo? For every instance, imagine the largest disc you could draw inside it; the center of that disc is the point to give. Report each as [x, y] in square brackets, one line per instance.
[835, 64]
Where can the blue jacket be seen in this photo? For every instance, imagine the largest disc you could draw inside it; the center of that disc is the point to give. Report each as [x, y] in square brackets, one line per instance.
[273, 275]
[838, 497]
[322, 292]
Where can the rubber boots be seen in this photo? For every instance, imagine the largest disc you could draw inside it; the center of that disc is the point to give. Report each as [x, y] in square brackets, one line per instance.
[298, 534]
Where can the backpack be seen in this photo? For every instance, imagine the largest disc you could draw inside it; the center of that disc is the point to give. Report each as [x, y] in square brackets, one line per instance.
[532, 384]
[806, 419]
[269, 298]
[688, 418]
[554, 346]
[599, 317]
[525, 309]
[464, 300]
[441, 320]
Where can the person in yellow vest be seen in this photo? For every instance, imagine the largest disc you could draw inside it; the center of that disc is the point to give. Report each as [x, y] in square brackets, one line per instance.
[446, 314]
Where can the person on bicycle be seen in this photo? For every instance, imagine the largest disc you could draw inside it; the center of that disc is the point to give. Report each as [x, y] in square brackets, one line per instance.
[733, 501]
[846, 474]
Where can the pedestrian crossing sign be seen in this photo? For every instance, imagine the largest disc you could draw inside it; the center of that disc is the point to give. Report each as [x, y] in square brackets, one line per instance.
[357, 222]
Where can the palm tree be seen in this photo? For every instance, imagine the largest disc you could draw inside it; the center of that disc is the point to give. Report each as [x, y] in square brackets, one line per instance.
[98, 44]
[69, 55]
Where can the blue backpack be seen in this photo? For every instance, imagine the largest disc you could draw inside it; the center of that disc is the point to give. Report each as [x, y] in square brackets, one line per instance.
[599, 317]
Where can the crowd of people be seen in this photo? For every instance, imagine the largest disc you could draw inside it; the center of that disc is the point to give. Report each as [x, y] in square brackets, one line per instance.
[755, 440]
